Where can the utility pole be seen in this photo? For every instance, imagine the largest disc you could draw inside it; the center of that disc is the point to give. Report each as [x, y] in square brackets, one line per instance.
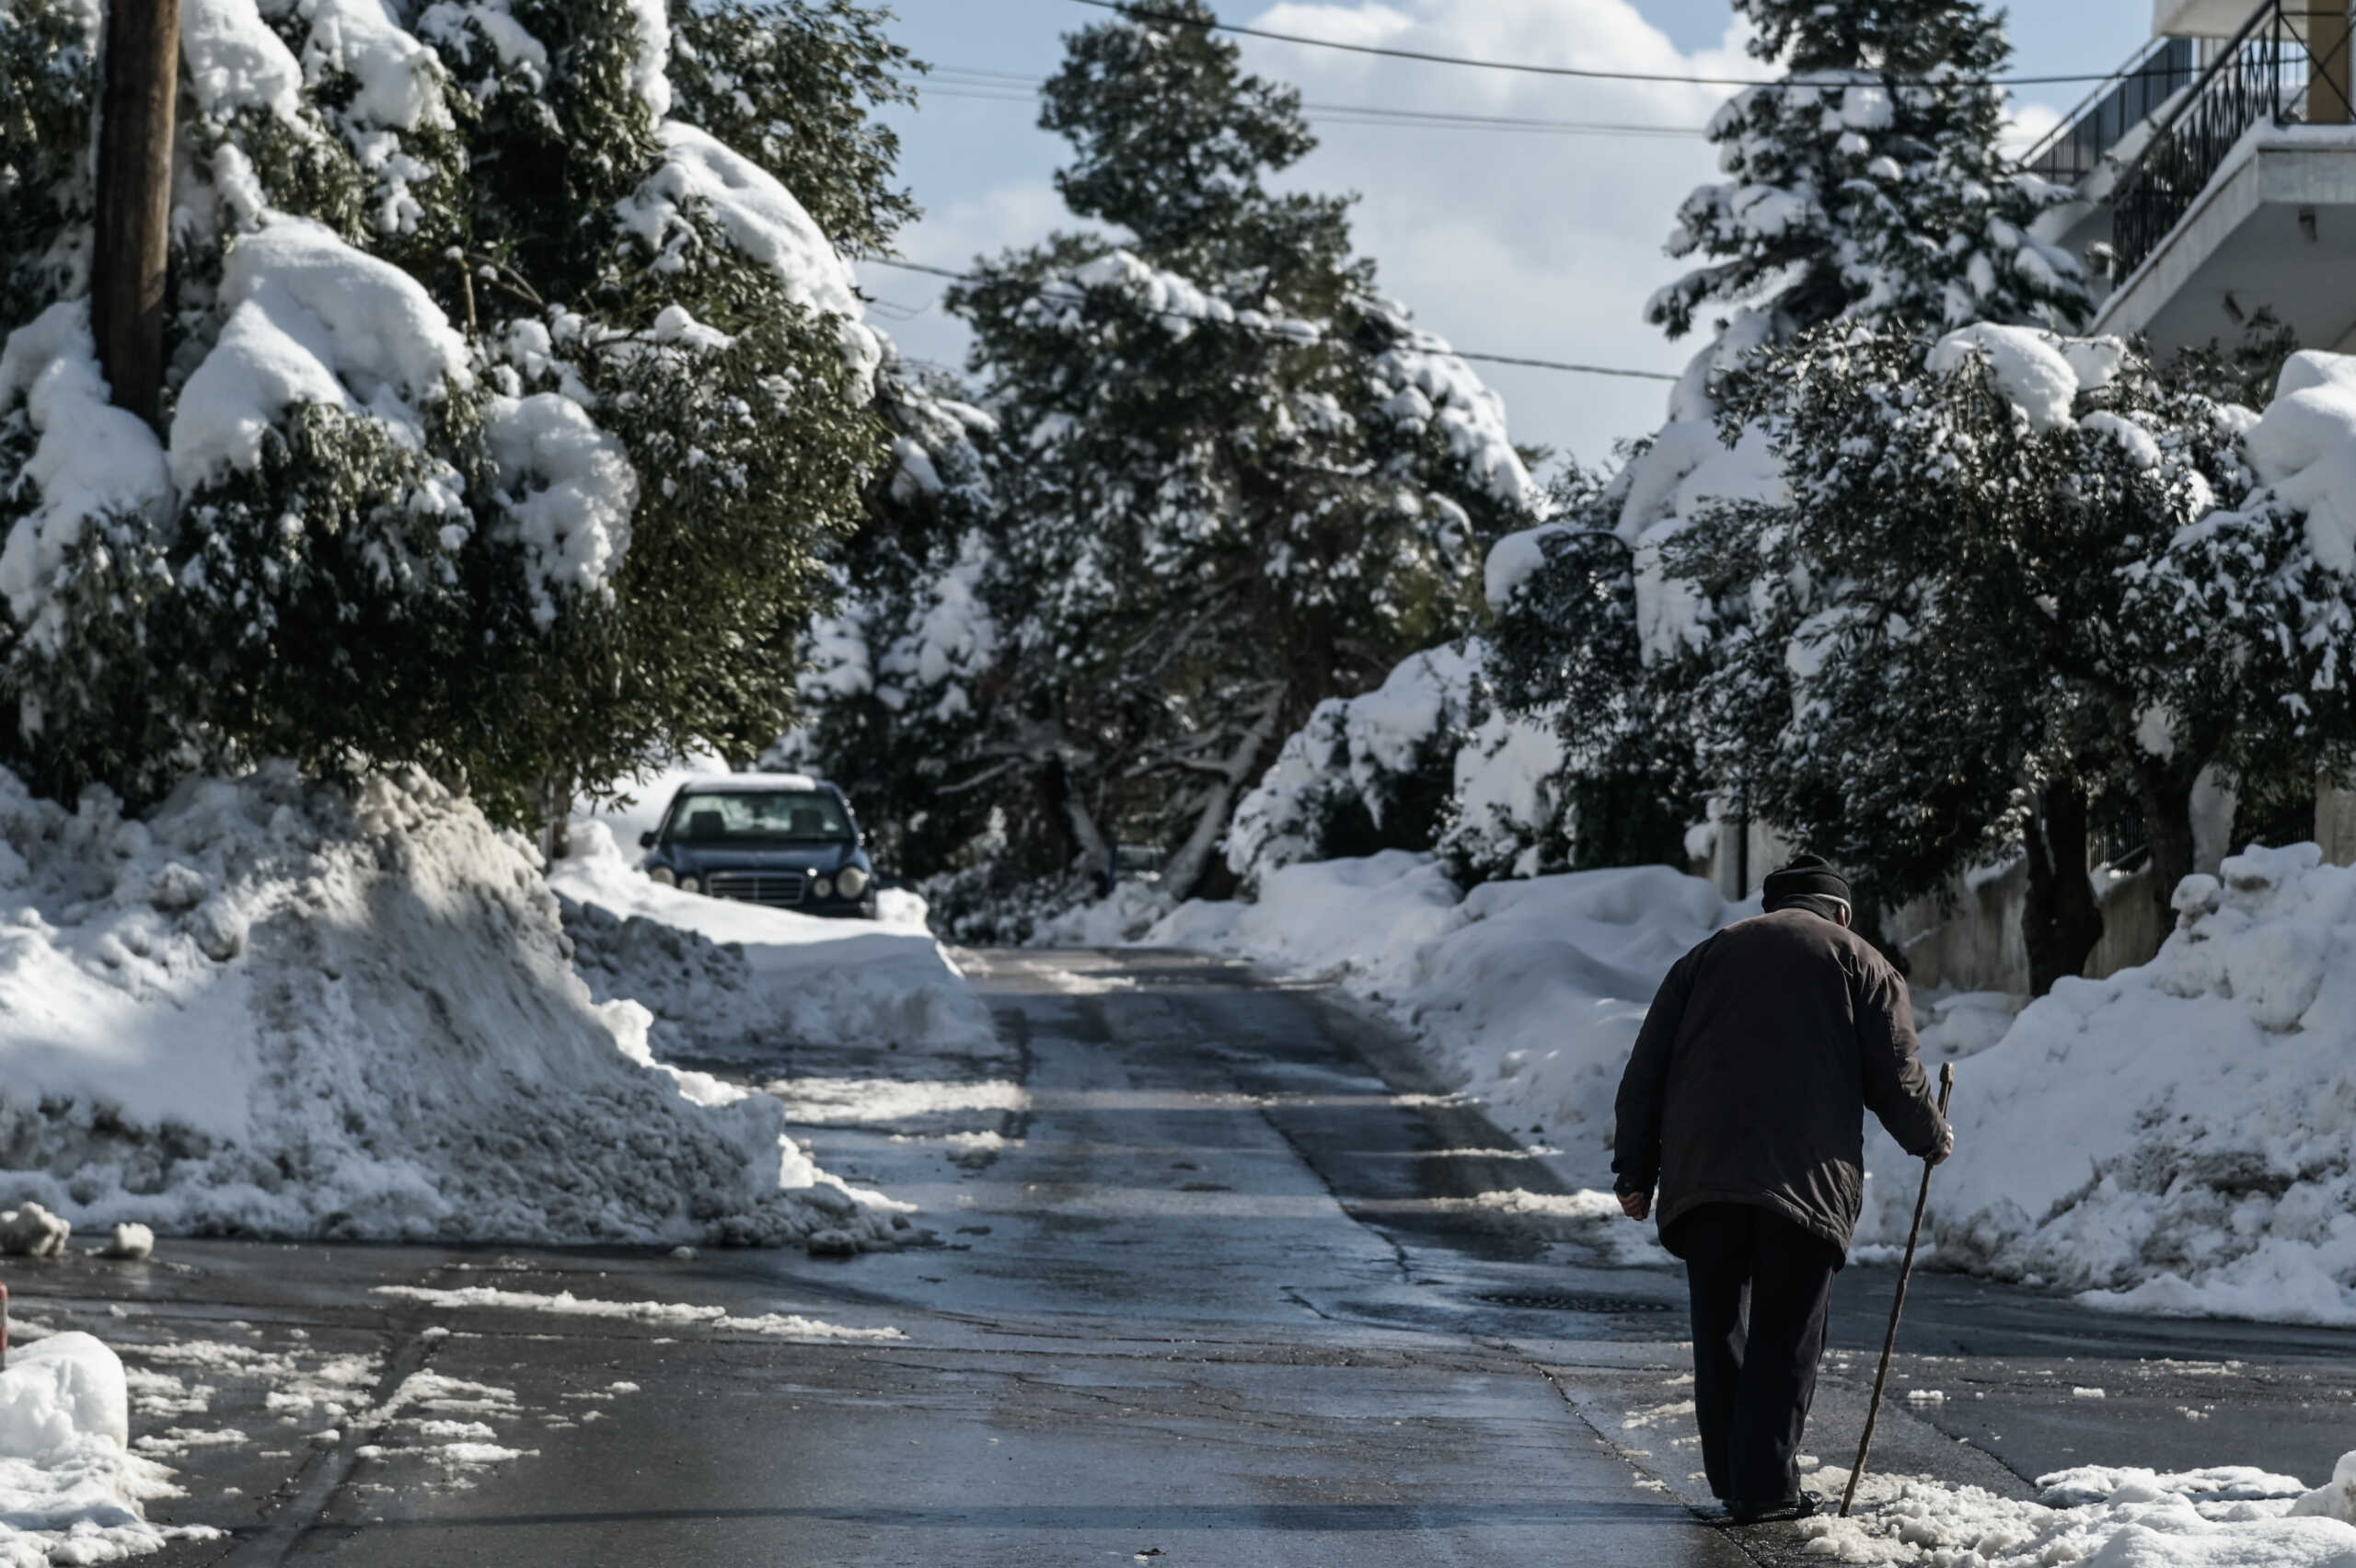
[133, 241]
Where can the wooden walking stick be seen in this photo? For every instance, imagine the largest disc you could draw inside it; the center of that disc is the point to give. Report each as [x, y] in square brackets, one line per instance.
[1905, 1272]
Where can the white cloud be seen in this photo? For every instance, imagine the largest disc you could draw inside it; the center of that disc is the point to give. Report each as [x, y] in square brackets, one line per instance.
[1538, 245]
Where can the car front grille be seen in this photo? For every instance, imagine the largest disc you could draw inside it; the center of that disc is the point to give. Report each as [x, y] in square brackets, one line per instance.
[780, 890]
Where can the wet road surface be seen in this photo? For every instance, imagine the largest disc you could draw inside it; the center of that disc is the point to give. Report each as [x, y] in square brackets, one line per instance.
[1209, 1287]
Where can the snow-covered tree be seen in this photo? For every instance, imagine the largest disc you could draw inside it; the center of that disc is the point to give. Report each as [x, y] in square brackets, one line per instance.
[896, 690]
[511, 412]
[1867, 183]
[2018, 587]
[1866, 187]
[1233, 481]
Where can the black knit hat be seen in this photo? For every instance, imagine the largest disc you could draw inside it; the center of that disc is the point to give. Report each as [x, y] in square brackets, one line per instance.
[1805, 875]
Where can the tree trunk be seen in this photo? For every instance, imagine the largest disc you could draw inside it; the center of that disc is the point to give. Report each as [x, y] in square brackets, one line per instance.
[1088, 847]
[2061, 922]
[2165, 793]
[555, 816]
[1184, 873]
[133, 242]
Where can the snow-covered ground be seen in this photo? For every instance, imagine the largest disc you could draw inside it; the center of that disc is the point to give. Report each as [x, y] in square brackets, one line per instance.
[2230, 1516]
[2176, 1138]
[269, 1008]
[70, 1485]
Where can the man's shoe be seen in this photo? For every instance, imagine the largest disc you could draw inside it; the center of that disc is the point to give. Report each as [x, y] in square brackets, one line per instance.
[1801, 1507]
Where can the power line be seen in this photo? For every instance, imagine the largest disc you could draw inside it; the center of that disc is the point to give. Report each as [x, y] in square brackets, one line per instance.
[1002, 87]
[1144, 14]
[1460, 354]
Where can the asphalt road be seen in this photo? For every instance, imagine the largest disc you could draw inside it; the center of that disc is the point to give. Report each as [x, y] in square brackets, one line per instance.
[1206, 1287]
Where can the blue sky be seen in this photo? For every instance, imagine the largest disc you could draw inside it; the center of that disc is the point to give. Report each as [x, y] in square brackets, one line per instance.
[1543, 246]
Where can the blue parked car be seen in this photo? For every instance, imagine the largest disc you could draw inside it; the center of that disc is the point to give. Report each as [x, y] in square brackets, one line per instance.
[781, 839]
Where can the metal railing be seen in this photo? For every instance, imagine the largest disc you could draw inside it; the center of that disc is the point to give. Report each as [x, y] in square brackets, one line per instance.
[2266, 71]
[2073, 149]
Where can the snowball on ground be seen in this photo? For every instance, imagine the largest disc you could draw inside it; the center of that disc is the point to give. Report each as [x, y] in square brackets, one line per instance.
[130, 1243]
[270, 1008]
[719, 974]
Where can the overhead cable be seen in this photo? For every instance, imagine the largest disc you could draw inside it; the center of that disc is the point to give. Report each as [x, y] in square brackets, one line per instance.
[1461, 354]
[1004, 86]
[1148, 14]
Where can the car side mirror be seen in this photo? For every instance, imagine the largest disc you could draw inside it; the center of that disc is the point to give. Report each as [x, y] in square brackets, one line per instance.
[646, 841]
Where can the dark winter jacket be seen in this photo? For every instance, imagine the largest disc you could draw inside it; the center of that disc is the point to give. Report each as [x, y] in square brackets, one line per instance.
[1752, 1076]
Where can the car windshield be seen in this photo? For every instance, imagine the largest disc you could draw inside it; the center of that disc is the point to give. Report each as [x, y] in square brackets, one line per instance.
[737, 815]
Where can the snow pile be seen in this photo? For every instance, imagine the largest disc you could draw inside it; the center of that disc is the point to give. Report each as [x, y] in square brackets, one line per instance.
[1526, 994]
[273, 1008]
[1425, 758]
[69, 1489]
[719, 976]
[2228, 1517]
[2180, 1137]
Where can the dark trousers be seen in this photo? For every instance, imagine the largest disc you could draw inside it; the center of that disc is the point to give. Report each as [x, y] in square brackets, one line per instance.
[1760, 1287]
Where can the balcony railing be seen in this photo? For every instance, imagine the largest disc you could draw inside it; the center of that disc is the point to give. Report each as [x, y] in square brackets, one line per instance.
[2268, 72]
[2137, 91]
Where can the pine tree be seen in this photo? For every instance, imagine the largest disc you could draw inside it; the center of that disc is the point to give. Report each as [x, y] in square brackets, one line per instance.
[512, 414]
[1865, 187]
[1866, 184]
[1233, 480]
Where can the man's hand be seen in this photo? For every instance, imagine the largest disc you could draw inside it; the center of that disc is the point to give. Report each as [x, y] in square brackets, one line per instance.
[1636, 1205]
[1938, 1155]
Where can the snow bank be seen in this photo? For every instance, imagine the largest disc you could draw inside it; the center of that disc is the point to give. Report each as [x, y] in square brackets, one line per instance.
[69, 1489]
[1526, 994]
[272, 1008]
[2229, 1518]
[721, 975]
[2180, 1137]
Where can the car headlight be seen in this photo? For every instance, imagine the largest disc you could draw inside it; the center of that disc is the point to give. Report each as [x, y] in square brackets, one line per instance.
[663, 874]
[822, 888]
[851, 880]
[691, 884]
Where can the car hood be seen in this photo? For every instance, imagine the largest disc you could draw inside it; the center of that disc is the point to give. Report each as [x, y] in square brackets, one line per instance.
[799, 858]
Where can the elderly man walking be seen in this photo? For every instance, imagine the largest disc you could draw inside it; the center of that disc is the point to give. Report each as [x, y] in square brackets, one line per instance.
[1744, 1101]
